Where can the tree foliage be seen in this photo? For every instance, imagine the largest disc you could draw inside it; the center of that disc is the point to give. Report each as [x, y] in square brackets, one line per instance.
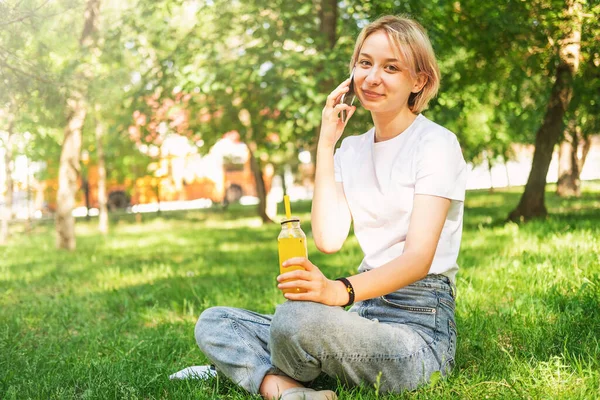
[204, 67]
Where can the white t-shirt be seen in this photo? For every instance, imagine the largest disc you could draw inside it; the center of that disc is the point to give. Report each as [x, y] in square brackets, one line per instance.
[381, 179]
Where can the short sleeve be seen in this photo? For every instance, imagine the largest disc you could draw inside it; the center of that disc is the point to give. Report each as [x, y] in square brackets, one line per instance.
[440, 167]
[337, 165]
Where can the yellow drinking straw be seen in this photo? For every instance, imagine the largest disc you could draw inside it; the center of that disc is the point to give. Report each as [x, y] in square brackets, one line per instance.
[288, 210]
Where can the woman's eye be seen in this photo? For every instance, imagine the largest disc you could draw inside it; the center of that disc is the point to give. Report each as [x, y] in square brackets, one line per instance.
[393, 68]
[364, 62]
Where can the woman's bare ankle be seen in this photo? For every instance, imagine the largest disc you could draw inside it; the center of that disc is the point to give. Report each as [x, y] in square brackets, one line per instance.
[273, 386]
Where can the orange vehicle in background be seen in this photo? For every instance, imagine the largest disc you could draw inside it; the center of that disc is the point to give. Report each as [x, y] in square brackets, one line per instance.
[223, 176]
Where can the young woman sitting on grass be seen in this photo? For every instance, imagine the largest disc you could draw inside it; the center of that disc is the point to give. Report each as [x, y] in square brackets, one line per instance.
[402, 184]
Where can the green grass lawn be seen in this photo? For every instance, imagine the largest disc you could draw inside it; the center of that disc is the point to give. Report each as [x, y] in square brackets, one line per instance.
[116, 317]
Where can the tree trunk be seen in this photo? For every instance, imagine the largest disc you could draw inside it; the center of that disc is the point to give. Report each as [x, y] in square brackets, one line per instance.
[572, 154]
[69, 167]
[8, 185]
[102, 207]
[68, 172]
[261, 191]
[490, 167]
[85, 185]
[569, 184]
[157, 190]
[506, 171]
[328, 13]
[532, 204]
[29, 199]
[585, 149]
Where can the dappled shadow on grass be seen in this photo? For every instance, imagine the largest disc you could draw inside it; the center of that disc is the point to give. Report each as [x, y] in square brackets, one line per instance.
[481, 249]
[487, 236]
[485, 209]
[215, 255]
[569, 221]
[551, 334]
[573, 322]
[194, 247]
[129, 337]
[522, 326]
[491, 209]
[107, 362]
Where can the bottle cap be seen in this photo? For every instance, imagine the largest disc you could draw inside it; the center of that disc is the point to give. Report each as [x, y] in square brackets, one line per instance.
[290, 219]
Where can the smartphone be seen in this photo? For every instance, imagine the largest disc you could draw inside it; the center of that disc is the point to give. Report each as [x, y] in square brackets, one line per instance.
[349, 96]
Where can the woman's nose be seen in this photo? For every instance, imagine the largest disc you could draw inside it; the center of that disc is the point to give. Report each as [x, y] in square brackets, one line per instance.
[373, 77]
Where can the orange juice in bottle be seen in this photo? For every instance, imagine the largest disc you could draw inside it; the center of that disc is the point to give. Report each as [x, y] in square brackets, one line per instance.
[291, 243]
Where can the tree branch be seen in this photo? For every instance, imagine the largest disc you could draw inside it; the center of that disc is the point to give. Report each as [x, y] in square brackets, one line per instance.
[31, 14]
[18, 71]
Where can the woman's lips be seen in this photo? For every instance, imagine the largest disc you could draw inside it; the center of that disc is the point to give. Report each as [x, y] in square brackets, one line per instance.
[371, 95]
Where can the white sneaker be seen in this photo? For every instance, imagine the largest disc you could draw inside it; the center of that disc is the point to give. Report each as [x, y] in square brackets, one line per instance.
[203, 372]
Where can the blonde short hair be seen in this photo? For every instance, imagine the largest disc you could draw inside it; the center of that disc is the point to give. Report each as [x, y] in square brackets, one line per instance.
[411, 41]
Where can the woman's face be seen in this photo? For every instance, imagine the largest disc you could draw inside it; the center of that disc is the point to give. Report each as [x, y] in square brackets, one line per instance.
[382, 82]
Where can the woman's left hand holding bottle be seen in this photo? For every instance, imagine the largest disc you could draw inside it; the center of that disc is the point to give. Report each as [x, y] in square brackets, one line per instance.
[318, 287]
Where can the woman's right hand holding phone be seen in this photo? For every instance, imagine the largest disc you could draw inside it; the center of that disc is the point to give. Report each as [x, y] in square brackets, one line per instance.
[332, 125]
[330, 213]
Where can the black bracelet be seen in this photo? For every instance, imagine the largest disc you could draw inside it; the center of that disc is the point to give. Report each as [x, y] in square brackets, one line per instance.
[349, 289]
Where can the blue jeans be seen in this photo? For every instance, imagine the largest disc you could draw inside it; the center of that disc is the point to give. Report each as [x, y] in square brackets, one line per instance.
[403, 337]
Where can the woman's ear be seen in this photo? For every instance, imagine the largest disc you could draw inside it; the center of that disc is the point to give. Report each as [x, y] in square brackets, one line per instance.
[420, 83]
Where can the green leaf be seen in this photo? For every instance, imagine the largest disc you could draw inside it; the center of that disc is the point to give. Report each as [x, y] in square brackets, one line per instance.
[435, 378]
